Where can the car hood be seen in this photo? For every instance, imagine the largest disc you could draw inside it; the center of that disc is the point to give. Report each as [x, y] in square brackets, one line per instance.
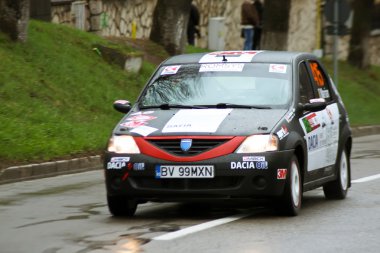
[221, 122]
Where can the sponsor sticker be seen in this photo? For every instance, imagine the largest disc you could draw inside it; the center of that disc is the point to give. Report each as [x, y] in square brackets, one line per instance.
[281, 174]
[323, 93]
[201, 121]
[120, 159]
[143, 130]
[116, 165]
[170, 70]
[137, 120]
[234, 67]
[253, 158]
[277, 68]
[289, 117]
[141, 118]
[310, 122]
[133, 124]
[262, 165]
[139, 166]
[242, 165]
[283, 132]
[312, 142]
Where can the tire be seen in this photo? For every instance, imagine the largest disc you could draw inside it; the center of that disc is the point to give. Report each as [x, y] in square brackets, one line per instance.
[290, 202]
[121, 206]
[338, 188]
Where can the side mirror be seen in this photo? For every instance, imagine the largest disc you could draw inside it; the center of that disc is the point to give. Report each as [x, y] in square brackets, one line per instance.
[313, 107]
[123, 106]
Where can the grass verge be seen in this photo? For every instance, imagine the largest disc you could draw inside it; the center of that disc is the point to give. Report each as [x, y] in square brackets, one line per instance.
[56, 92]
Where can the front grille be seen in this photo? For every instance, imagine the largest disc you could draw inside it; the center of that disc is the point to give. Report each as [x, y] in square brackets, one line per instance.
[198, 146]
[186, 184]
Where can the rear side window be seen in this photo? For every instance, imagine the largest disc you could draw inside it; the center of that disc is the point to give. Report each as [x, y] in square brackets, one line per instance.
[320, 81]
[306, 88]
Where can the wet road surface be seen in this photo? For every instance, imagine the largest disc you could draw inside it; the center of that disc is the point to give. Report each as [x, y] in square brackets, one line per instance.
[69, 214]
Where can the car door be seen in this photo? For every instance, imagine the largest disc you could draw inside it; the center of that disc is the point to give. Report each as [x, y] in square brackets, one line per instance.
[312, 123]
[321, 128]
[329, 116]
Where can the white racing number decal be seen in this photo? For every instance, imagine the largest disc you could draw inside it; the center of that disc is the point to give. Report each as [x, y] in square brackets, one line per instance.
[184, 171]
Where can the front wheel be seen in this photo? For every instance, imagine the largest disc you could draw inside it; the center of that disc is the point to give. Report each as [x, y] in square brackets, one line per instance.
[338, 188]
[290, 202]
[121, 206]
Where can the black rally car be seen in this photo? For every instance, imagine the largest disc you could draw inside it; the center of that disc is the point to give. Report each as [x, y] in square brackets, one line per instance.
[230, 125]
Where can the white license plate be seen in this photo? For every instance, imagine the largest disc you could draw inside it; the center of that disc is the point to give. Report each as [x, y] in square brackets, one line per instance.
[184, 171]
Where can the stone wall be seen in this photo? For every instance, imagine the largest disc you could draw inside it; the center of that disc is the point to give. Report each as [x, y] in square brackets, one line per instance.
[122, 17]
[61, 12]
[230, 10]
[303, 26]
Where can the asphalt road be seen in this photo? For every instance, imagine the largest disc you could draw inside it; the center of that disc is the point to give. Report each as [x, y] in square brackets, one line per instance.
[69, 214]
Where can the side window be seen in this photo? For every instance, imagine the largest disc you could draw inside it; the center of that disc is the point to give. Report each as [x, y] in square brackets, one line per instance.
[320, 81]
[306, 89]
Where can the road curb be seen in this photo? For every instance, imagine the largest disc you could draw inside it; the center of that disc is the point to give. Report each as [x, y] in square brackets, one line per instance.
[50, 169]
[365, 130]
[76, 165]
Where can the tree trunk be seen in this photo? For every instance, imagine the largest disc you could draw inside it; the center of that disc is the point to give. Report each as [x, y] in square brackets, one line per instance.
[276, 25]
[358, 54]
[170, 19]
[14, 18]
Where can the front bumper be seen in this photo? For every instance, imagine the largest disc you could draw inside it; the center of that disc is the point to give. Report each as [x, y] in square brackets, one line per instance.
[234, 177]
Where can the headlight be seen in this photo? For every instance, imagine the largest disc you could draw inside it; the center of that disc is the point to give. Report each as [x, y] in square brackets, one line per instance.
[123, 144]
[258, 143]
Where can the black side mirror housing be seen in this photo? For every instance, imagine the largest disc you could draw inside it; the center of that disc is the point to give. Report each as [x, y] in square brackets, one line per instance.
[123, 106]
[313, 107]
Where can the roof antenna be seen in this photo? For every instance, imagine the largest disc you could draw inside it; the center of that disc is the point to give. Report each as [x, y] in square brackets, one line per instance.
[224, 58]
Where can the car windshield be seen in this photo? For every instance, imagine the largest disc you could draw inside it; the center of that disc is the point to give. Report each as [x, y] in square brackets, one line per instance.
[252, 84]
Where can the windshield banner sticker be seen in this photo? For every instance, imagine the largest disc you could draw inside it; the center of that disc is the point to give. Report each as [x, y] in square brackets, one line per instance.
[277, 68]
[200, 121]
[170, 70]
[230, 56]
[234, 67]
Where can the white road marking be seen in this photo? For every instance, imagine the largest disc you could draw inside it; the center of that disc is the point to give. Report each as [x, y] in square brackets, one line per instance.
[366, 179]
[200, 227]
[218, 222]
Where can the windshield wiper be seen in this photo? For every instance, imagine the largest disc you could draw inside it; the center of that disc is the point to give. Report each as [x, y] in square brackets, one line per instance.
[169, 106]
[228, 105]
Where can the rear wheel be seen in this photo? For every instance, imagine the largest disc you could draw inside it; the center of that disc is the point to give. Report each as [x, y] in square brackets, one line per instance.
[121, 206]
[291, 200]
[338, 188]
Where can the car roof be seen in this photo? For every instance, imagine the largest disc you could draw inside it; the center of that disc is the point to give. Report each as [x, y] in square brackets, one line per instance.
[258, 56]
